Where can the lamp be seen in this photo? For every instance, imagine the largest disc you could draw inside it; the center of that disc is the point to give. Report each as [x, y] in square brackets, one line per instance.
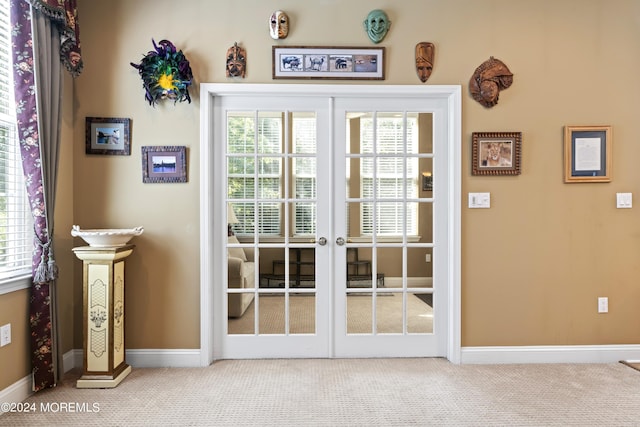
[427, 181]
[231, 219]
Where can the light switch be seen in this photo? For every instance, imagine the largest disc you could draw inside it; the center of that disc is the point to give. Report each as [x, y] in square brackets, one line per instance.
[479, 200]
[624, 200]
[5, 334]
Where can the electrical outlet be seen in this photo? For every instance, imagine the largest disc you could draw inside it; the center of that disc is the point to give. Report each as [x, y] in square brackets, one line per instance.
[5, 334]
[427, 258]
[603, 305]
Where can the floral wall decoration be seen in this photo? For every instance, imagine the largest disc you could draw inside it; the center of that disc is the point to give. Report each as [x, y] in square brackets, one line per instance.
[166, 74]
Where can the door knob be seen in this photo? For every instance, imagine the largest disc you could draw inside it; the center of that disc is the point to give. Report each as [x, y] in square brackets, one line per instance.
[322, 241]
[340, 241]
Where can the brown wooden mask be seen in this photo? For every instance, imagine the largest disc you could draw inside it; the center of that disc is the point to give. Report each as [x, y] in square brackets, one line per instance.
[488, 80]
[236, 61]
[424, 60]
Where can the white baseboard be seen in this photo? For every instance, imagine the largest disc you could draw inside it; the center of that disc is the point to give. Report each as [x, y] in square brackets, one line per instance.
[72, 359]
[145, 358]
[159, 358]
[17, 392]
[549, 354]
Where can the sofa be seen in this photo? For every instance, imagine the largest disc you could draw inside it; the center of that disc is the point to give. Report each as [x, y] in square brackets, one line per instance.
[241, 275]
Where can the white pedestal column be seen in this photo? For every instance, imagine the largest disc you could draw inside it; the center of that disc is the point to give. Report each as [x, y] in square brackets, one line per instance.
[103, 363]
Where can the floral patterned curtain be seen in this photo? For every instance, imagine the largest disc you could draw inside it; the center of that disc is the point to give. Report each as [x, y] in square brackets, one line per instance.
[64, 13]
[38, 135]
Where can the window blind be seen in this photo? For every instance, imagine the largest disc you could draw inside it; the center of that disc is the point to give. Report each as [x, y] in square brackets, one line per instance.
[304, 174]
[254, 168]
[396, 177]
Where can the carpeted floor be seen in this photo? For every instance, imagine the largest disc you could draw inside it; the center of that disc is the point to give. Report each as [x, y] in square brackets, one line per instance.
[389, 307]
[349, 392]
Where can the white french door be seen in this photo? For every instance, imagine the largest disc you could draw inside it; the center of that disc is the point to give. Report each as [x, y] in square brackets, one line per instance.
[277, 280]
[343, 221]
[386, 222]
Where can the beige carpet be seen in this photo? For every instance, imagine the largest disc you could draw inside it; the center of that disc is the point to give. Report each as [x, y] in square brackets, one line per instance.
[359, 315]
[352, 392]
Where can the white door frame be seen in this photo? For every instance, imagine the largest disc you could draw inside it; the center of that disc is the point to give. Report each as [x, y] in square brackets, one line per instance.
[211, 248]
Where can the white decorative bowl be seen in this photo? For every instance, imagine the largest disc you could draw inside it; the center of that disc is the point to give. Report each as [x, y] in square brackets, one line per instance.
[106, 237]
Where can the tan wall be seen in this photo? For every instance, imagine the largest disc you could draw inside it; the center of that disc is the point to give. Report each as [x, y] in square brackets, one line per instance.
[533, 265]
[14, 309]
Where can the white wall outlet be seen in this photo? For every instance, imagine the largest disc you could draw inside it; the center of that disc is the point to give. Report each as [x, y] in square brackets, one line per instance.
[479, 200]
[603, 305]
[427, 258]
[624, 200]
[5, 334]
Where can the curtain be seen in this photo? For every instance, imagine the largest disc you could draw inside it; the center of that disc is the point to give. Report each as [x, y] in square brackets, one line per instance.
[44, 35]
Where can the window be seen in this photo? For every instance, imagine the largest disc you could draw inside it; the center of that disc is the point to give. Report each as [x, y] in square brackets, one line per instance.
[304, 170]
[244, 152]
[396, 174]
[249, 145]
[15, 218]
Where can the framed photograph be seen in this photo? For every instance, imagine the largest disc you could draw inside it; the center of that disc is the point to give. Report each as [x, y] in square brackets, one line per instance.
[587, 154]
[164, 164]
[496, 153]
[345, 63]
[111, 136]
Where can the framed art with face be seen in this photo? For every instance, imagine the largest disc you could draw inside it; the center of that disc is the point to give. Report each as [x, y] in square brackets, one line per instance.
[496, 153]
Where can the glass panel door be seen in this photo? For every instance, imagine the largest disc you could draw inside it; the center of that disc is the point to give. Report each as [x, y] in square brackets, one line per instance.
[277, 278]
[386, 306]
[337, 241]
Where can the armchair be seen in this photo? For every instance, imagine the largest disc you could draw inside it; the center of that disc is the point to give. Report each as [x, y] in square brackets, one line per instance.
[241, 274]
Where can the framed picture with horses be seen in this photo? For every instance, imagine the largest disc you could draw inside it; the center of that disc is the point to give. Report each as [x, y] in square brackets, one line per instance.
[343, 63]
[496, 153]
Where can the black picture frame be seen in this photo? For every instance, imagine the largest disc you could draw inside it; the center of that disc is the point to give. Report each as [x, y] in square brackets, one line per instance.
[108, 136]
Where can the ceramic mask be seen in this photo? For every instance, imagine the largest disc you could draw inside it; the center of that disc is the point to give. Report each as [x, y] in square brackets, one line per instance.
[279, 25]
[377, 24]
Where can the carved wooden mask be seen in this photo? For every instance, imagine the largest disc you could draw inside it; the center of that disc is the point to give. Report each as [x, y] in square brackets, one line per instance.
[424, 60]
[236, 61]
[488, 80]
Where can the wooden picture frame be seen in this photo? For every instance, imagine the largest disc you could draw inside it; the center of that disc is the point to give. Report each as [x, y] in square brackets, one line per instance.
[345, 63]
[167, 164]
[496, 153]
[587, 154]
[108, 136]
